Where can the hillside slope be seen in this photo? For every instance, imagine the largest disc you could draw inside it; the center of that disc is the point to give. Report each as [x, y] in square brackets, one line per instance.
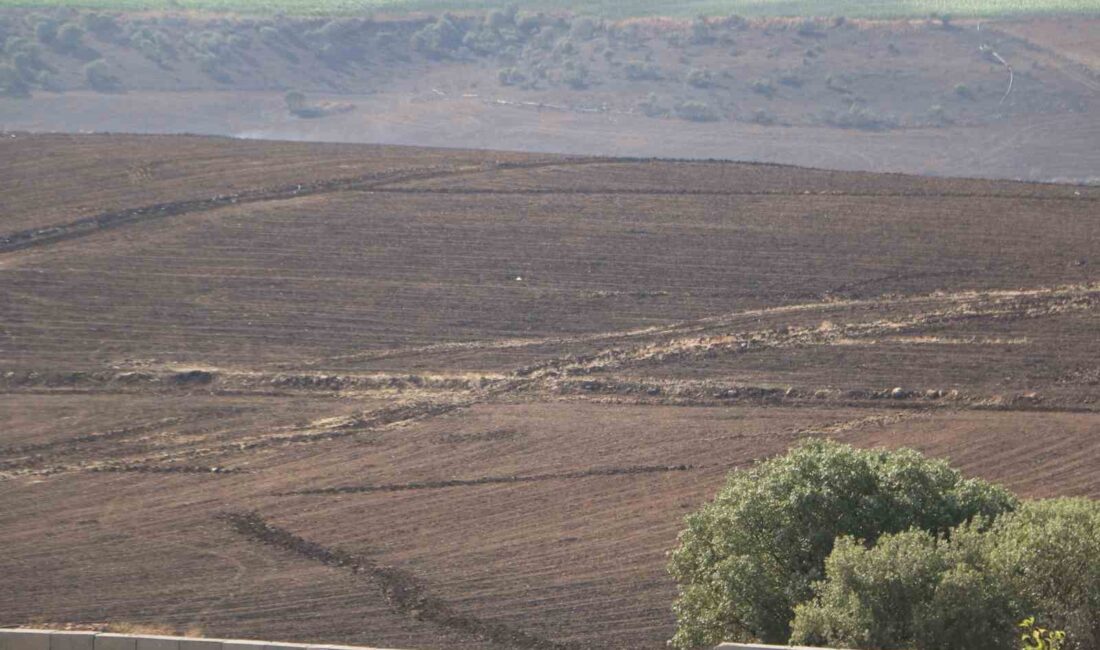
[452, 399]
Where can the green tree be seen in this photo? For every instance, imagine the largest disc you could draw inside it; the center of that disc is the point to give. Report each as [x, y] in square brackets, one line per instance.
[749, 557]
[99, 77]
[1049, 551]
[965, 590]
[70, 38]
[910, 590]
[12, 83]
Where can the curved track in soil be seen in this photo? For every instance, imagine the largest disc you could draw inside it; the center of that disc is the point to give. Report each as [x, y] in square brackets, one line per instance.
[462, 399]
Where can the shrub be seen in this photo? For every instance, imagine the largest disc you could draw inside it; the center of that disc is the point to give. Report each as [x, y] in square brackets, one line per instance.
[99, 76]
[70, 38]
[583, 29]
[153, 44]
[11, 82]
[763, 87]
[964, 591]
[700, 78]
[102, 27]
[641, 71]
[48, 81]
[298, 106]
[962, 90]
[511, 77]
[501, 18]
[791, 78]
[747, 558]
[1040, 638]
[911, 590]
[1050, 552]
[938, 115]
[529, 23]
[575, 75]
[45, 31]
[860, 117]
[651, 106]
[701, 31]
[763, 116]
[440, 39]
[809, 28]
[696, 111]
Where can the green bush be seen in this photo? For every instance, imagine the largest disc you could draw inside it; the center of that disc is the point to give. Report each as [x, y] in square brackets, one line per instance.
[575, 75]
[696, 111]
[45, 31]
[11, 82]
[583, 29]
[1040, 638]
[1049, 552]
[701, 31]
[70, 38]
[963, 591]
[910, 590]
[651, 106]
[641, 71]
[763, 87]
[511, 76]
[749, 557]
[440, 39]
[762, 116]
[99, 77]
[103, 27]
[700, 78]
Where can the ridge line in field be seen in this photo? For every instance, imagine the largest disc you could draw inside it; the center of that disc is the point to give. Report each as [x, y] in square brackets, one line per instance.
[49, 234]
[557, 374]
[654, 191]
[494, 480]
[957, 307]
[694, 325]
[405, 593]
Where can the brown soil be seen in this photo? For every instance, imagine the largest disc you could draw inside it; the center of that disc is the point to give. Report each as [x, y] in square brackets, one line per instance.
[463, 399]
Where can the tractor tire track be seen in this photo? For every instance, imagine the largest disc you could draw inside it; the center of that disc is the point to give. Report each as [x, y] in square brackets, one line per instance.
[406, 594]
[494, 480]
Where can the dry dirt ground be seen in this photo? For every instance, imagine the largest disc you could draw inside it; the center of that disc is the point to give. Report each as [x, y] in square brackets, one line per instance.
[451, 399]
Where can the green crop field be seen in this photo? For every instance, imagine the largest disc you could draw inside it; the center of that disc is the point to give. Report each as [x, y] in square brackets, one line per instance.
[616, 8]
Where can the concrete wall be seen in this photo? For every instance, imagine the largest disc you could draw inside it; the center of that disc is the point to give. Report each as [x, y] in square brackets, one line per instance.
[20, 639]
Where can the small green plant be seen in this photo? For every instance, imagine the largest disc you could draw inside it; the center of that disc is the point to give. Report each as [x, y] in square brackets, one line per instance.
[575, 75]
[696, 112]
[700, 78]
[1040, 638]
[641, 71]
[99, 77]
[763, 87]
[70, 38]
[11, 82]
[651, 106]
[511, 77]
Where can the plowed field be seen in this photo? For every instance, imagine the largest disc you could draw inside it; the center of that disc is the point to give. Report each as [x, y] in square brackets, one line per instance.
[451, 399]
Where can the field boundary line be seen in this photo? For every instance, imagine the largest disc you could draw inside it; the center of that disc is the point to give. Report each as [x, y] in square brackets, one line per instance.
[494, 480]
[406, 594]
[49, 234]
[700, 192]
